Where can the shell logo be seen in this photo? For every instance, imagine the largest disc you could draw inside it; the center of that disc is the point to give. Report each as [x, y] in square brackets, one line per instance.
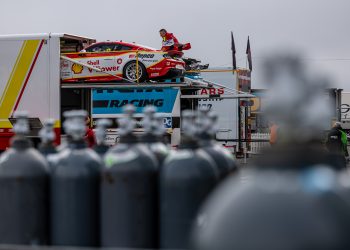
[256, 104]
[77, 68]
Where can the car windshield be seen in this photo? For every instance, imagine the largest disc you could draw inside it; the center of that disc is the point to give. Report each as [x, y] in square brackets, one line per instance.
[114, 47]
[101, 47]
[144, 46]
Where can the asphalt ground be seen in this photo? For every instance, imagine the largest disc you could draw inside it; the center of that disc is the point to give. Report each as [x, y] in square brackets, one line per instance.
[246, 162]
[250, 160]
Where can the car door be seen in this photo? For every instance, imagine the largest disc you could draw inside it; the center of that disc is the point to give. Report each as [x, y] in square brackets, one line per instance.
[102, 56]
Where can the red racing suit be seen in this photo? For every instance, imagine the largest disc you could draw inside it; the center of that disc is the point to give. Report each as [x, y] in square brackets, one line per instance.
[90, 137]
[170, 42]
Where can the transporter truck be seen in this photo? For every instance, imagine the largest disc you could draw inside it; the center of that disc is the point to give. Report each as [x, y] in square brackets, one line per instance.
[30, 79]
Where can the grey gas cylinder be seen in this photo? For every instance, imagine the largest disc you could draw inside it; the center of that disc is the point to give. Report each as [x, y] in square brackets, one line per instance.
[23, 190]
[206, 129]
[288, 202]
[75, 188]
[186, 178]
[129, 191]
[101, 126]
[153, 134]
[48, 136]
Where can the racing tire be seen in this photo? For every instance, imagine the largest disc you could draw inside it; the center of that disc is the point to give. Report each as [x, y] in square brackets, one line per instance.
[129, 72]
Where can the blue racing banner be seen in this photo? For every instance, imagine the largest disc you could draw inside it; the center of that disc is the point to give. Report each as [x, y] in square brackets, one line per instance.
[112, 101]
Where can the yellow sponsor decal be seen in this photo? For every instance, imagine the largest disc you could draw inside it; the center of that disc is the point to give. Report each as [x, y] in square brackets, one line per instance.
[77, 68]
[256, 104]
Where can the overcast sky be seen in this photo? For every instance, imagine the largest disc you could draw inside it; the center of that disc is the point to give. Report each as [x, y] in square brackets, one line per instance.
[318, 29]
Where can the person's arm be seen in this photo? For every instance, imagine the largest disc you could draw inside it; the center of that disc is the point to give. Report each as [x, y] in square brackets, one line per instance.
[175, 39]
[273, 134]
[326, 141]
[344, 140]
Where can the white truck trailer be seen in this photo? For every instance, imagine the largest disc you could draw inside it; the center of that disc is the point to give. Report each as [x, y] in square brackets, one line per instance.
[30, 79]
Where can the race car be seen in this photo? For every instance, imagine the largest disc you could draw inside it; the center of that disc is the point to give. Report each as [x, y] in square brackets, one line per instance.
[117, 61]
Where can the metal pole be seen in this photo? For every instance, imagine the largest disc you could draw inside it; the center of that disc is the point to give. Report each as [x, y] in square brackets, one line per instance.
[239, 117]
[137, 66]
[245, 122]
[339, 101]
[245, 153]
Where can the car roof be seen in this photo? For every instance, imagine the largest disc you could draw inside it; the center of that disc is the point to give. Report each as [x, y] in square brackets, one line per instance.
[135, 45]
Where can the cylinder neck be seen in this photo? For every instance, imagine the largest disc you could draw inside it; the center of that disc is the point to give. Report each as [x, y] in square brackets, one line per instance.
[19, 142]
[149, 138]
[188, 143]
[205, 136]
[48, 144]
[129, 139]
[77, 144]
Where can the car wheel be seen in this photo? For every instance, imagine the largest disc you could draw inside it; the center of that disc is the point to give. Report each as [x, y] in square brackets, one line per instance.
[129, 72]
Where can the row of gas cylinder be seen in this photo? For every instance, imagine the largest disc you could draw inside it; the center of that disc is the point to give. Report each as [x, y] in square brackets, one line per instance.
[137, 194]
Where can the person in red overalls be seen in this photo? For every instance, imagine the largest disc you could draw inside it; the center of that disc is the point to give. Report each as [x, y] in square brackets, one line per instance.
[273, 133]
[89, 135]
[171, 44]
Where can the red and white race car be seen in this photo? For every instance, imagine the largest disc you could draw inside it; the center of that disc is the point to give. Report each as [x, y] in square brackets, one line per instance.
[117, 61]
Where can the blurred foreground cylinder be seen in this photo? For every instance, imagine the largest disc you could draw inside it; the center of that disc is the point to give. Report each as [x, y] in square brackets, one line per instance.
[23, 194]
[186, 178]
[100, 133]
[292, 200]
[48, 136]
[221, 156]
[206, 130]
[129, 192]
[153, 125]
[75, 192]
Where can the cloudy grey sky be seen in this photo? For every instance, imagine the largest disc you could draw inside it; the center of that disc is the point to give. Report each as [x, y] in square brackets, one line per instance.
[316, 29]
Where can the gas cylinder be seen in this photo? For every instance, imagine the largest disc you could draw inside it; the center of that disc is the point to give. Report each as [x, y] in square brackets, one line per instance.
[48, 136]
[100, 133]
[186, 178]
[290, 198]
[153, 133]
[206, 130]
[129, 191]
[75, 188]
[23, 190]
[289, 202]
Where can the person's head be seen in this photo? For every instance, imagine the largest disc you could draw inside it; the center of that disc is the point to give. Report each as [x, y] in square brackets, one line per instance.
[79, 47]
[88, 121]
[272, 123]
[162, 32]
[337, 125]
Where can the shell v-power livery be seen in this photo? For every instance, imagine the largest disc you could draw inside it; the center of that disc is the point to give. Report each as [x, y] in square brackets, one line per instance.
[44, 75]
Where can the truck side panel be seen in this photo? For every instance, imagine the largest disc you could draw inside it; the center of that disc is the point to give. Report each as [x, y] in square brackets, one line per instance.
[24, 81]
[34, 94]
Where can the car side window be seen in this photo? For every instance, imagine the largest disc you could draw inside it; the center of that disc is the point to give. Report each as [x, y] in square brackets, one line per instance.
[101, 48]
[97, 49]
[93, 48]
[120, 47]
